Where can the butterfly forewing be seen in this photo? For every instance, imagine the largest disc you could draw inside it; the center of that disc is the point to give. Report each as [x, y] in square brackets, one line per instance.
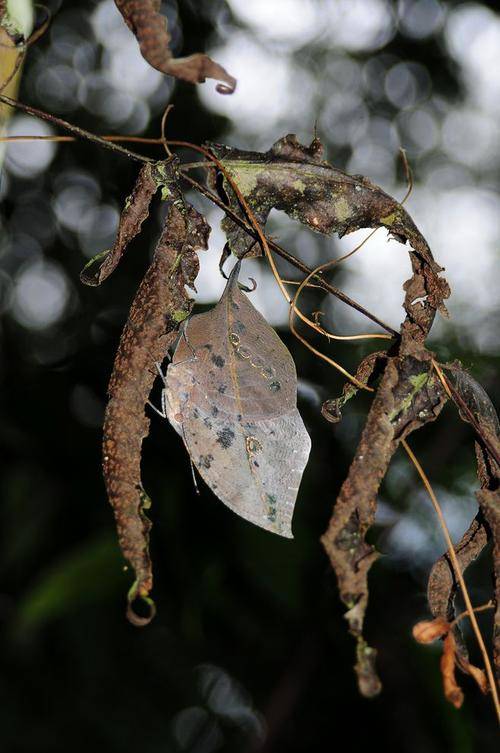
[231, 393]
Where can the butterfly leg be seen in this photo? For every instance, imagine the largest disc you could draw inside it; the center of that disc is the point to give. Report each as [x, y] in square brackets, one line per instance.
[161, 412]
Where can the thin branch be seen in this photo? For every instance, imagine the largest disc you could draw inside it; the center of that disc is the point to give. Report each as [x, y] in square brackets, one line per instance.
[294, 309]
[113, 138]
[483, 608]
[80, 132]
[109, 142]
[458, 574]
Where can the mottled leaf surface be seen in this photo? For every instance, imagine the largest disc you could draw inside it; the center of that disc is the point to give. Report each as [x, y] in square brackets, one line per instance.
[231, 392]
[159, 306]
[408, 397]
[295, 179]
[475, 407]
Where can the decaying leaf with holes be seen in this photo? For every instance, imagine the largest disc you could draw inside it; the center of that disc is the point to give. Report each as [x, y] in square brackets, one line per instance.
[295, 179]
[160, 305]
[231, 393]
[409, 396]
[152, 176]
[150, 29]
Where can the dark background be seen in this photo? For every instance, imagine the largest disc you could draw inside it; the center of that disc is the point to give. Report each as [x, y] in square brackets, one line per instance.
[249, 650]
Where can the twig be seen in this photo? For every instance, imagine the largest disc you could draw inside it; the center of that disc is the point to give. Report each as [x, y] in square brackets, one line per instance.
[109, 142]
[482, 608]
[458, 574]
[209, 195]
[305, 283]
[81, 132]
[113, 138]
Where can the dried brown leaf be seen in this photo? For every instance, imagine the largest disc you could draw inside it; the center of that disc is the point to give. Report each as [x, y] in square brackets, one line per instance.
[368, 681]
[409, 396]
[489, 502]
[159, 306]
[368, 369]
[477, 674]
[428, 631]
[474, 396]
[475, 407]
[442, 586]
[452, 691]
[294, 178]
[152, 176]
[150, 29]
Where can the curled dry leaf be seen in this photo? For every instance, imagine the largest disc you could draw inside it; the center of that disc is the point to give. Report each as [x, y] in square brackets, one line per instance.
[408, 396]
[488, 497]
[369, 368]
[150, 29]
[151, 177]
[478, 675]
[428, 631]
[452, 690]
[159, 306]
[474, 396]
[475, 407]
[489, 502]
[231, 393]
[295, 179]
[442, 586]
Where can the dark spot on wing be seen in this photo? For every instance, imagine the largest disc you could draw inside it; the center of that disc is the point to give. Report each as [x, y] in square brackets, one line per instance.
[218, 361]
[239, 327]
[215, 411]
[205, 461]
[207, 422]
[272, 511]
[275, 386]
[225, 437]
[222, 388]
[243, 353]
[208, 346]
[196, 413]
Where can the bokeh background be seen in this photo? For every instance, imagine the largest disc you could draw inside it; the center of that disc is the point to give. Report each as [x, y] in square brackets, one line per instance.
[249, 650]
